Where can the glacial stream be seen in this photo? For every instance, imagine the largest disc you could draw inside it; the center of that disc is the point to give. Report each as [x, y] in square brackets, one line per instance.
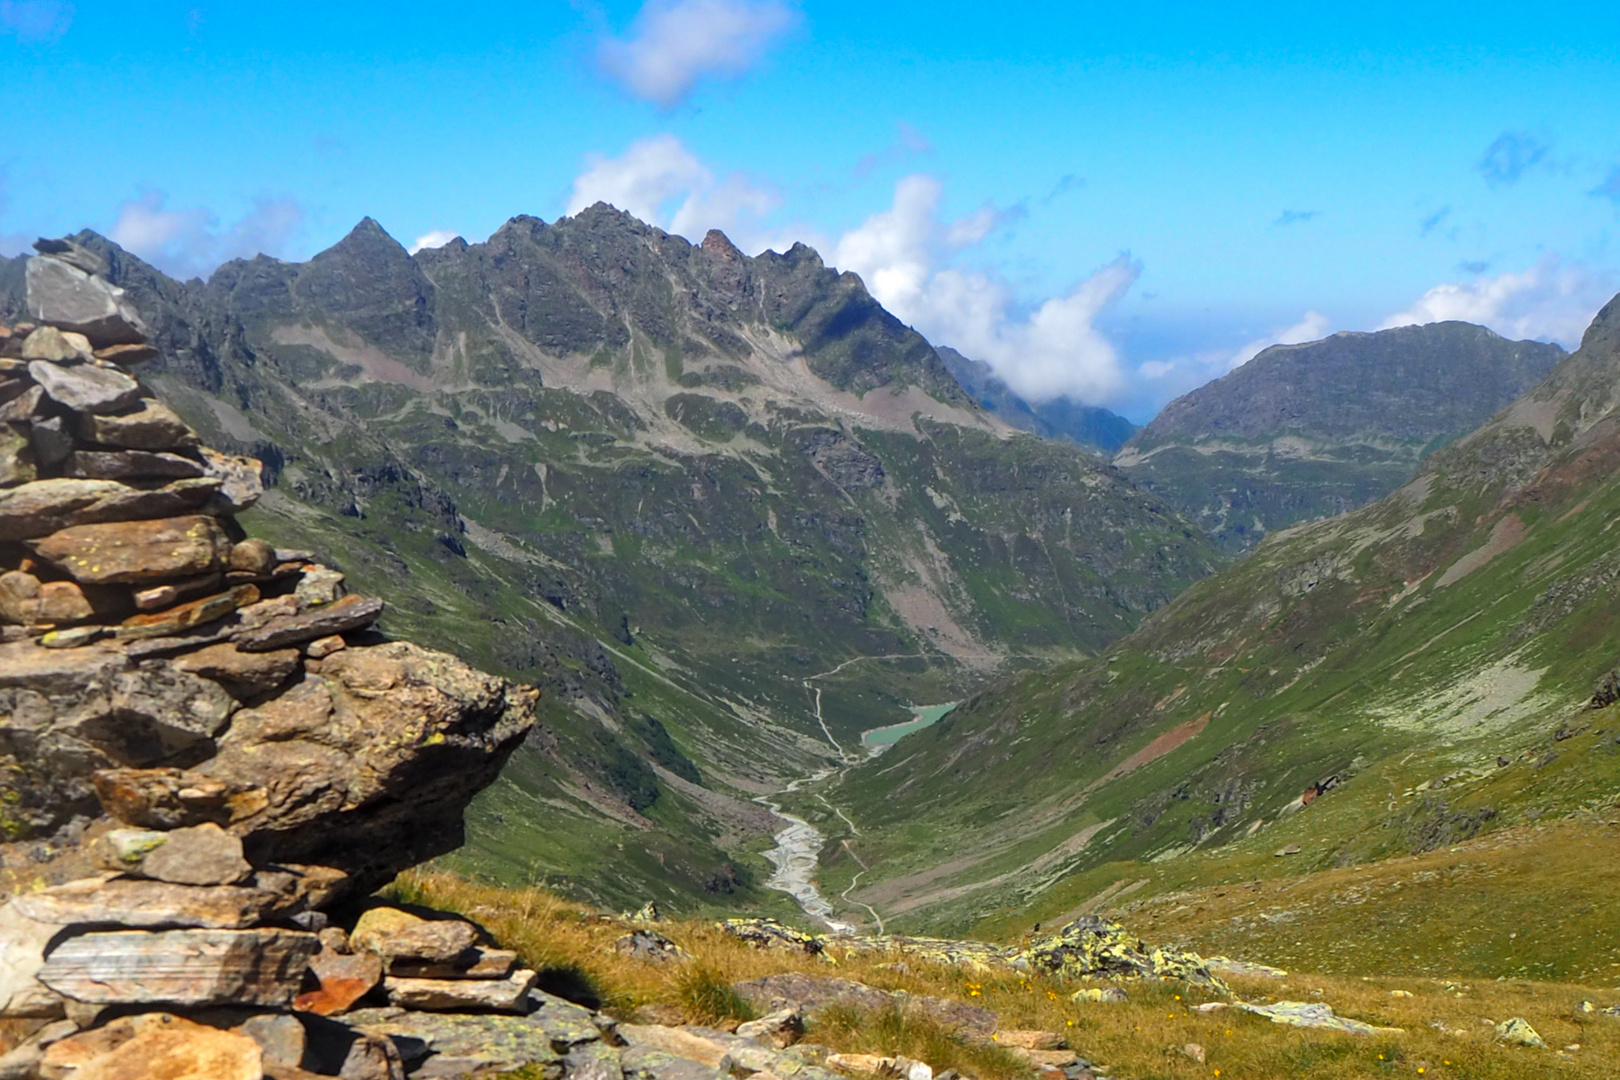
[798, 846]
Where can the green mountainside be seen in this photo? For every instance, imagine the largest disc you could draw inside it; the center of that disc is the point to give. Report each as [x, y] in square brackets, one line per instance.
[1308, 431]
[726, 511]
[1091, 427]
[1391, 681]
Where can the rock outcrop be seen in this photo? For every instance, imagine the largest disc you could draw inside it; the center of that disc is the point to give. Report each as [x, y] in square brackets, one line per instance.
[208, 755]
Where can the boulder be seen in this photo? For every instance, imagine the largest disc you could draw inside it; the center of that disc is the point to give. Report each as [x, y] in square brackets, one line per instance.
[154, 1046]
[183, 967]
[508, 995]
[21, 993]
[135, 552]
[85, 388]
[147, 904]
[245, 674]
[398, 935]
[366, 764]
[1518, 1032]
[67, 297]
[195, 855]
[780, 1029]
[130, 465]
[150, 425]
[347, 614]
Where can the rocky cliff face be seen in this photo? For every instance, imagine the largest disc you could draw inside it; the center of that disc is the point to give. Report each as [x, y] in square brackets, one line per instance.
[1090, 427]
[1308, 431]
[204, 748]
[682, 489]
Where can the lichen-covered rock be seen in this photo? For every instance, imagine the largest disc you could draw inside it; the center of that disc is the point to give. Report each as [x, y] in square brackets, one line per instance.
[199, 855]
[138, 551]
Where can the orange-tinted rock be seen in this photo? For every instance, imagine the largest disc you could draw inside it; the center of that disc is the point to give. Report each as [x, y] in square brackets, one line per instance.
[126, 354]
[172, 798]
[155, 1046]
[349, 613]
[138, 551]
[253, 556]
[345, 979]
[185, 616]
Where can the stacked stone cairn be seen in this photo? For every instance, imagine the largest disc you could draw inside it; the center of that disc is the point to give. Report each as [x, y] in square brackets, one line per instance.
[209, 759]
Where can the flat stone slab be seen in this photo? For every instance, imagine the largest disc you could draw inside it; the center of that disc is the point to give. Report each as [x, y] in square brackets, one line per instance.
[463, 1044]
[73, 300]
[508, 995]
[30, 511]
[147, 904]
[349, 613]
[182, 967]
[86, 388]
[134, 552]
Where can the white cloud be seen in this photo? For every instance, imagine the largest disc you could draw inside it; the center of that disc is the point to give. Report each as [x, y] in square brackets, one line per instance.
[434, 239]
[903, 254]
[1553, 300]
[660, 181]
[35, 21]
[190, 242]
[1313, 326]
[675, 43]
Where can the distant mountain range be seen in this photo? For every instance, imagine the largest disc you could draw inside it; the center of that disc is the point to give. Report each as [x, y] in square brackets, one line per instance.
[690, 493]
[1308, 431]
[1089, 426]
[1393, 680]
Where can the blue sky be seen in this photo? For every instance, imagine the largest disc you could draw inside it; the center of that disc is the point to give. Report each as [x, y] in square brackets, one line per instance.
[1115, 204]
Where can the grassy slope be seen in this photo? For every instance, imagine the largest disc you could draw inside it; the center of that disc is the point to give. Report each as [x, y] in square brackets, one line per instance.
[1357, 648]
[1142, 1039]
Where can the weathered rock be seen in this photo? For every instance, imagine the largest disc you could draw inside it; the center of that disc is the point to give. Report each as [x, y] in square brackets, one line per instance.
[126, 354]
[1094, 946]
[66, 713]
[240, 479]
[187, 616]
[1100, 995]
[130, 465]
[1313, 1014]
[196, 855]
[281, 1038]
[86, 388]
[27, 601]
[25, 941]
[807, 993]
[21, 401]
[137, 551]
[51, 440]
[367, 763]
[474, 963]
[19, 597]
[71, 299]
[770, 934]
[1027, 1040]
[49, 344]
[345, 978]
[173, 798]
[1518, 1032]
[63, 602]
[183, 967]
[490, 1043]
[648, 1062]
[508, 995]
[16, 457]
[679, 1043]
[170, 593]
[649, 945]
[147, 905]
[318, 585]
[780, 1029]
[244, 674]
[155, 1046]
[399, 935]
[29, 511]
[325, 646]
[252, 555]
[151, 425]
[303, 887]
[349, 613]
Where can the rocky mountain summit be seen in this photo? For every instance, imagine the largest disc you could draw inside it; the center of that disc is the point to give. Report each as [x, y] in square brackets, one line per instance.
[207, 759]
[1313, 430]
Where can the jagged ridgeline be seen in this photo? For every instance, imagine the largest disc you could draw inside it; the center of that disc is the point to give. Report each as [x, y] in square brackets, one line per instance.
[1308, 431]
[1390, 681]
[685, 491]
